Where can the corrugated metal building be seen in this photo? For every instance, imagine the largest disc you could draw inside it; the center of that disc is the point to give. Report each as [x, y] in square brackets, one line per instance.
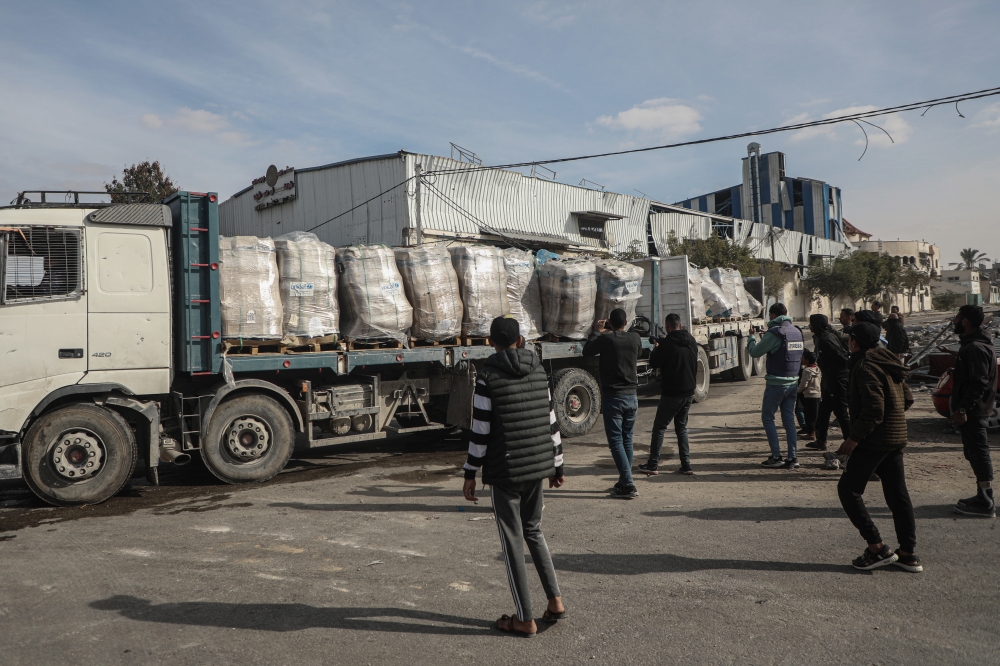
[377, 200]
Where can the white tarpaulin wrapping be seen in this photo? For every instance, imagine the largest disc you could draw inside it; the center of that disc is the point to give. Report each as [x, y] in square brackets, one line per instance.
[432, 289]
[482, 280]
[248, 288]
[717, 304]
[372, 299]
[731, 282]
[617, 287]
[523, 294]
[307, 268]
[697, 300]
[569, 292]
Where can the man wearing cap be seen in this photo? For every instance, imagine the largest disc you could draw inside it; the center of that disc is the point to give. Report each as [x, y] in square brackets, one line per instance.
[516, 442]
[879, 398]
[784, 346]
[619, 351]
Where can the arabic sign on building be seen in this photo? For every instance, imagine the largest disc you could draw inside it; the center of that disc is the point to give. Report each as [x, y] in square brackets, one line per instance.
[277, 187]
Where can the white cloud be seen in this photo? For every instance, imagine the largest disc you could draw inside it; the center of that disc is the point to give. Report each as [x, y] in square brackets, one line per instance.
[663, 116]
[151, 121]
[988, 117]
[199, 120]
[895, 125]
[237, 138]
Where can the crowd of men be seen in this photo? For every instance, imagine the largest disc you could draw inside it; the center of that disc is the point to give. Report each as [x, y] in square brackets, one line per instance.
[856, 373]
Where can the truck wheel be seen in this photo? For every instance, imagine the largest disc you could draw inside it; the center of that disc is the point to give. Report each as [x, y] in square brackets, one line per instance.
[702, 376]
[79, 454]
[760, 363]
[576, 399]
[744, 369]
[250, 439]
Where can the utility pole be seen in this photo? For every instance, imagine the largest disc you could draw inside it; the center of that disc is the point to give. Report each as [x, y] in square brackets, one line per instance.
[418, 170]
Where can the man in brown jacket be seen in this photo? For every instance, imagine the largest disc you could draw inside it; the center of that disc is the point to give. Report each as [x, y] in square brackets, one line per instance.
[879, 398]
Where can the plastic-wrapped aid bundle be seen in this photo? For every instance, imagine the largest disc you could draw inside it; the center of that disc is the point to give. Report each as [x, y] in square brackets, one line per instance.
[697, 300]
[307, 268]
[522, 291]
[248, 288]
[617, 287]
[482, 280]
[717, 304]
[731, 282]
[432, 289]
[569, 293]
[373, 303]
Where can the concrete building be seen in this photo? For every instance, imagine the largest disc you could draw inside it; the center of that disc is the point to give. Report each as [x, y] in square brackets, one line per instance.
[919, 254]
[964, 282]
[853, 234]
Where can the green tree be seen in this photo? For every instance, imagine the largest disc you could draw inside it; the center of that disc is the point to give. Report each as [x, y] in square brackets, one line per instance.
[947, 300]
[911, 280]
[879, 274]
[844, 277]
[774, 278]
[634, 251]
[714, 252]
[970, 259]
[145, 177]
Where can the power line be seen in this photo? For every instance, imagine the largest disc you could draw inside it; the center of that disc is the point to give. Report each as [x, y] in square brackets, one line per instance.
[988, 92]
[364, 203]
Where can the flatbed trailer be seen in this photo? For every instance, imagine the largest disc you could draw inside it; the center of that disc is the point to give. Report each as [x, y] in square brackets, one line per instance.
[111, 324]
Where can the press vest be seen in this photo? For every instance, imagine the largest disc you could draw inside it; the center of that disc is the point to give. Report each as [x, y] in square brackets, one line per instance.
[786, 360]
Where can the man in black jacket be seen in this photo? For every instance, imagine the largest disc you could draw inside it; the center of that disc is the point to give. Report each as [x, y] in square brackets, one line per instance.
[832, 359]
[619, 352]
[895, 335]
[973, 395]
[516, 442]
[677, 358]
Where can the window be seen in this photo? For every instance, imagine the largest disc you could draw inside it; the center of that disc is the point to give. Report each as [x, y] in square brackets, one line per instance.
[797, 199]
[724, 203]
[39, 263]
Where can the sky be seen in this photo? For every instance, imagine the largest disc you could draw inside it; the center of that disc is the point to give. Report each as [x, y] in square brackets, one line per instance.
[217, 91]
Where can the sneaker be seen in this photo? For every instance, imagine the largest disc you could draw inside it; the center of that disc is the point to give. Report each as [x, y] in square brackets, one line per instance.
[975, 498]
[909, 563]
[807, 435]
[816, 446]
[981, 506]
[686, 469]
[649, 468]
[791, 463]
[624, 492]
[803, 432]
[773, 463]
[870, 560]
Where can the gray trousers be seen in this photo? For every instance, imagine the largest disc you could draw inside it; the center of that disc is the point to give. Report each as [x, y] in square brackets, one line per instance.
[518, 510]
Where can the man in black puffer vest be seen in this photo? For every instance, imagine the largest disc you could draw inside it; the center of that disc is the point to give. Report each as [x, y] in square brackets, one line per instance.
[516, 442]
[832, 359]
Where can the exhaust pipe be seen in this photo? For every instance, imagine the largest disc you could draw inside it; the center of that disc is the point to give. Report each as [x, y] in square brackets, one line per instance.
[170, 452]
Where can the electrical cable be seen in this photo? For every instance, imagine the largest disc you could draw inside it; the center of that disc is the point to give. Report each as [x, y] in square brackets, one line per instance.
[364, 203]
[462, 211]
[913, 106]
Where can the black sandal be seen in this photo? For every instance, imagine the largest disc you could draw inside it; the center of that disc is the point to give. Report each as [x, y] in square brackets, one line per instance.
[510, 627]
[549, 616]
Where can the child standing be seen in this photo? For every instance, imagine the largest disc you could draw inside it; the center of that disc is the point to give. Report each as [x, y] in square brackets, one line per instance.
[809, 393]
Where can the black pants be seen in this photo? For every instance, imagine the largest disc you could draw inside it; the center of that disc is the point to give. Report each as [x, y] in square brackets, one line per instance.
[671, 408]
[810, 407]
[834, 401]
[977, 449]
[889, 466]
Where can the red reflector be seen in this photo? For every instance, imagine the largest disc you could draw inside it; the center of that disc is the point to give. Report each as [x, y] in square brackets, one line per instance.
[213, 198]
[287, 364]
[215, 335]
[399, 357]
[215, 266]
[465, 354]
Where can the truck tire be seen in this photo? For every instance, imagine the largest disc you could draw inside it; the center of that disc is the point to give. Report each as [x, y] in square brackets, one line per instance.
[759, 363]
[702, 377]
[250, 439]
[78, 454]
[576, 399]
[744, 369]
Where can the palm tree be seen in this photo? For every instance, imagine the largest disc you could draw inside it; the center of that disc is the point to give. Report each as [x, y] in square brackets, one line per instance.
[970, 259]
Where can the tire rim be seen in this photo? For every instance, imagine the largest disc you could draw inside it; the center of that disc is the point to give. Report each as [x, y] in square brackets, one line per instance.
[701, 375]
[77, 454]
[247, 439]
[578, 404]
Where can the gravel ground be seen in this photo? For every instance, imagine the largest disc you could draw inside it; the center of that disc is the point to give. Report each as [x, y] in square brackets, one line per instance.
[370, 555]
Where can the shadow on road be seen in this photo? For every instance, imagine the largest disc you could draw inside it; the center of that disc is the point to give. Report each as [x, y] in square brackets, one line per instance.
[774, 513]
[632, 565]
[292, 617]
[369, 508]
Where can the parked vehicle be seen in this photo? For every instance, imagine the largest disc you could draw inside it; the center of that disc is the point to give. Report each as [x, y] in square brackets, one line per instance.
[110, 334]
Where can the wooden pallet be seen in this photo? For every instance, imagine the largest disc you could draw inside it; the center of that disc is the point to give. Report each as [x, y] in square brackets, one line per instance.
[358, 345]
[447, 342]
[312, 346]
[245, 347]
[470, 341]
